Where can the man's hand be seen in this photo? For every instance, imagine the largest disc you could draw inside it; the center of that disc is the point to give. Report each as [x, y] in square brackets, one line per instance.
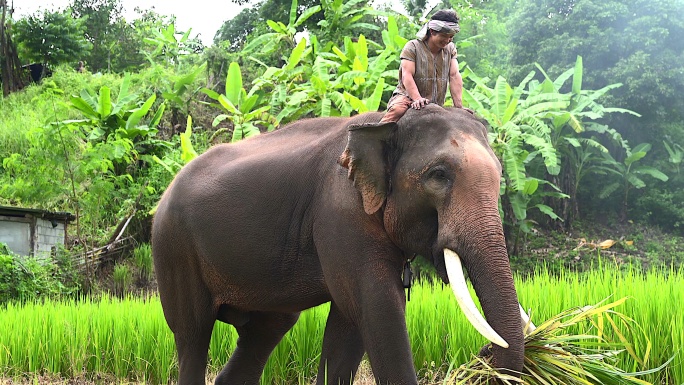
[419, 103]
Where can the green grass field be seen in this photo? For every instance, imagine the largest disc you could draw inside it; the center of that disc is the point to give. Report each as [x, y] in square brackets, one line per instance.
[129, 339]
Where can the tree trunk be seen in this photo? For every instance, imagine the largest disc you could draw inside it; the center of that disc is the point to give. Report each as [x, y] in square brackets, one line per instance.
[9, 61]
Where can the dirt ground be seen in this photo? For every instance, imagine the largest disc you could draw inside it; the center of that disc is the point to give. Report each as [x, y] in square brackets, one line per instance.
[363, 377]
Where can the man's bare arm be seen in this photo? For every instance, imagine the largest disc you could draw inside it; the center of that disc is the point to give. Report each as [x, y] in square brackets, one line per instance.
[455, 84]
[408, 69]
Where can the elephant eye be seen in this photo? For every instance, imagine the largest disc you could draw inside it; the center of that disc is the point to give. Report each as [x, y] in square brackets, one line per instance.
[438, 173]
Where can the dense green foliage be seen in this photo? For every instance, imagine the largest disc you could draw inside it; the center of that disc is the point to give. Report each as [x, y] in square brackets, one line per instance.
[129, 338]
[29, 279]
[52, 38]
[561, 130]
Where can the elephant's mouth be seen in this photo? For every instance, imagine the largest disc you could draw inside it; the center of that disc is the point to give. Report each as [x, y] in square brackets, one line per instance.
[457, 281]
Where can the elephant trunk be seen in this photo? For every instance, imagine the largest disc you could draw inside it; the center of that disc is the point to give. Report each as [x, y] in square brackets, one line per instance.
[486, 261]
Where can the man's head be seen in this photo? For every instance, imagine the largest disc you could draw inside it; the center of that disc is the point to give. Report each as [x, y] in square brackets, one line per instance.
[443, 22]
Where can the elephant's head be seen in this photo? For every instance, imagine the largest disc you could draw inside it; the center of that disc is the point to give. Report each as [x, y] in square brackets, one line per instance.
[435, 181]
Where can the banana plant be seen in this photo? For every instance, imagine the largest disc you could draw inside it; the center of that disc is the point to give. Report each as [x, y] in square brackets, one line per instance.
[363, 78]
[629, 174]
[178, 92]
[244, 110]
[269, 42]
[166, 46]
[187, 152]
[121, 119]
[570, 129]
[519, 136]
[676, 153]
[345, 17]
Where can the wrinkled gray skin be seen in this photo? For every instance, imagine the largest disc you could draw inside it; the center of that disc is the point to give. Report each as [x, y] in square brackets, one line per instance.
[255, 232]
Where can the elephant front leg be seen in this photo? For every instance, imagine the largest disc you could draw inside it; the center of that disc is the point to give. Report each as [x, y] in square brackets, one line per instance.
[377, 308]
[385, 337]
[342, 350]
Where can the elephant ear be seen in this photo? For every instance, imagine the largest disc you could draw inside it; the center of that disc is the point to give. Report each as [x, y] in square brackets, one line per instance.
[364, 158]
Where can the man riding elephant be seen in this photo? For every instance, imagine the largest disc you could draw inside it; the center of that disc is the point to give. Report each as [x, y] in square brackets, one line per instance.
[429, 64]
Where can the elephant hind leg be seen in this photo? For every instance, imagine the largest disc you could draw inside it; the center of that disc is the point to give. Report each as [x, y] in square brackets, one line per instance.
[192, 328]
[188, 307]
[257, 339]
[342, 350]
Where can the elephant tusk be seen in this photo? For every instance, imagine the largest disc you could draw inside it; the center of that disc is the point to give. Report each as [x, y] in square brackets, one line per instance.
[458, 284]
[527, 325]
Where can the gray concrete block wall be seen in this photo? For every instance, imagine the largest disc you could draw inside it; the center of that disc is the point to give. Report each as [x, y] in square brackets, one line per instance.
[47, 236]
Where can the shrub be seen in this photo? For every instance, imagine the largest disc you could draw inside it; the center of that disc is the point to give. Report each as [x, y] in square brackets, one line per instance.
[142, 256]
[122, 278]
[32, 278]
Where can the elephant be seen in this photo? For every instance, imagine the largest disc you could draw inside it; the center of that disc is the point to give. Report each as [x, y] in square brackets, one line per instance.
[329, 210]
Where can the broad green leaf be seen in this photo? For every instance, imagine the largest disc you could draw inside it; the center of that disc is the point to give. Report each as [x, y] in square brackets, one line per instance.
[248, 104]
[307, 14]
[355, 103]
[573, 142]
[519, 206]
[104, 105]
[254, 115]
[511, 109]
[139, 113]
[326, 105]
[259, 42]
[276, 26]
[373, 102]
[577, 77]
[500, 97]
[339, 53]
[531, 185]
[233, 83]
[211, 93]
[358, 66]
[635, 181]
[296, 55]
[293, 12]
[161, 163]
[220, 118]
[548, 211]
[228, 105]
[645, 147]
[89, 98]
[158, 115]
[188, 153]
[188, 78]
[514, 169]
[576, 124]
[123, 89]
[318, 85]
[635, 156]
[652, 172]
[84, 107]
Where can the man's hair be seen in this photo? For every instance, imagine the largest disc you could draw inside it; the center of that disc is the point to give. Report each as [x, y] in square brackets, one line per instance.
[446, 15]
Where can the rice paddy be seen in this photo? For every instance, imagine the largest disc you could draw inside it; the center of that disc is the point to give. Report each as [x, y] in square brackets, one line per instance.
[128, 339]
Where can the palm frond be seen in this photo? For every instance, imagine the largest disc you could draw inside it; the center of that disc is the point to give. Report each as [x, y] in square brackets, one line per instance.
[554, 356]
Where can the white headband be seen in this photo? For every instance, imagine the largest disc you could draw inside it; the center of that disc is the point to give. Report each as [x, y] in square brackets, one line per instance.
[439, 26]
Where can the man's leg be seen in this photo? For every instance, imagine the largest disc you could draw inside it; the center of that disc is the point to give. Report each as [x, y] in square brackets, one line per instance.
[396, 108]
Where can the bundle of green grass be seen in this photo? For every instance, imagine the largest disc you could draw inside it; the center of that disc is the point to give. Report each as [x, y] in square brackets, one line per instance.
[554, 356]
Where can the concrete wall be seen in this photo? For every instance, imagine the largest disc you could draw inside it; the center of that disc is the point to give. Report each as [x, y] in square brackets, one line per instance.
[16, 234]
[47, 237]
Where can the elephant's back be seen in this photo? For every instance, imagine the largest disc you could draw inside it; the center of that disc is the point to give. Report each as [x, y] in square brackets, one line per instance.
[275, 166]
